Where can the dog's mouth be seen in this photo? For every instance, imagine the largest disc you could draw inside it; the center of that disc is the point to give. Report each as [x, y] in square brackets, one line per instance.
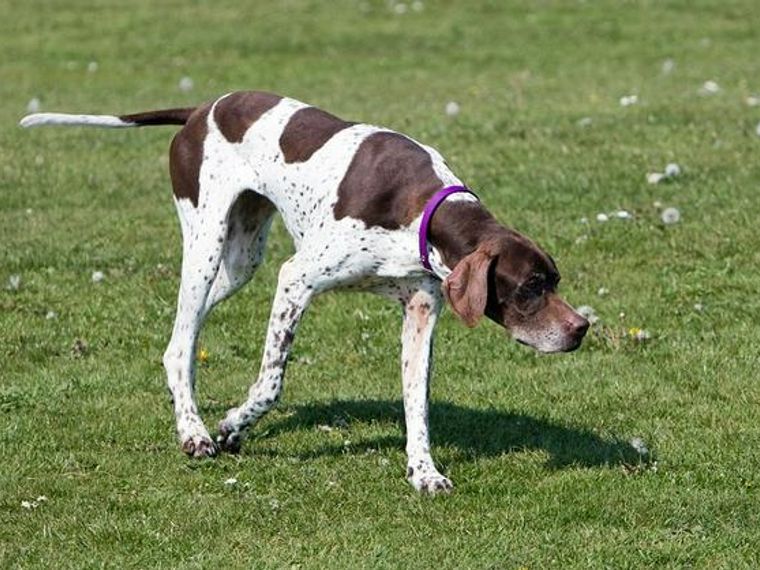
[570, 345]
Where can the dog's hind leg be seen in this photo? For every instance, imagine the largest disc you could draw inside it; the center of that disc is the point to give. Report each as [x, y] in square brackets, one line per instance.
[299, 279]
[248, 226]
[202, 248]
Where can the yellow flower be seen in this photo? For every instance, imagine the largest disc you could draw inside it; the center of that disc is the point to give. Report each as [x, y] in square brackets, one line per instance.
[202, 355]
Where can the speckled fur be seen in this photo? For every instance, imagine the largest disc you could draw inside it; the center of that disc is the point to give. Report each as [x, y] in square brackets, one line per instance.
[220, 255]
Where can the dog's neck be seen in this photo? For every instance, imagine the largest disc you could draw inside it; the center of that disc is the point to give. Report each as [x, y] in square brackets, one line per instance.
[459, 227]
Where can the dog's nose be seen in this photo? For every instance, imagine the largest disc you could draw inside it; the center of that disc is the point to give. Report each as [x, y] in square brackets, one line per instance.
[577, 326]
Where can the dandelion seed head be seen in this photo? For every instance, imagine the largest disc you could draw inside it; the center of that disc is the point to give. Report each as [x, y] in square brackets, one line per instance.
[186, 84]
[670, 216]
[452, 108]
[668, 66]
[34, 105]
[709, 87]
[672, 170]
[639, 446]
[628, 100]
[588, 313]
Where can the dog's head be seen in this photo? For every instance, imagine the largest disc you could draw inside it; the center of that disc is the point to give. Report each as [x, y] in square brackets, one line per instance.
[513, 282]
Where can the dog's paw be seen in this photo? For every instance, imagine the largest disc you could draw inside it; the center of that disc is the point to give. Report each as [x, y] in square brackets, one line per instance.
[199, 446]
[429, 483]
[228, 439]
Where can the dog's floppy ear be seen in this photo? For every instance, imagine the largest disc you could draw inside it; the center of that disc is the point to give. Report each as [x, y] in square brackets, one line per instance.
[466, 288]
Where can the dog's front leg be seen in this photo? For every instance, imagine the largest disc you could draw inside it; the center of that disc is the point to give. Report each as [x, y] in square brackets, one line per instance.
[421, 310]
[294, 291]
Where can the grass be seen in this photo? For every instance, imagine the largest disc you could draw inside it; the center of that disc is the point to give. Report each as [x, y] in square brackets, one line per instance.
[538, 447]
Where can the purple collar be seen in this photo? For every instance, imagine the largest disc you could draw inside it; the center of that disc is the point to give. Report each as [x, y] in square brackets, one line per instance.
[427, 215]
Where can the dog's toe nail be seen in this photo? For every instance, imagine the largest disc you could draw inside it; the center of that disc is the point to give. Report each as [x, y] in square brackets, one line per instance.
[188, 447]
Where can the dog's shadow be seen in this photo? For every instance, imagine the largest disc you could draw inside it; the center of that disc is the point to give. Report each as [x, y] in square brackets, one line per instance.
[471, 432]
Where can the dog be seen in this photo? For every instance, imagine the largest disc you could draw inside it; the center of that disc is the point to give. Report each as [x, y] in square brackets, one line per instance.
[367, 208]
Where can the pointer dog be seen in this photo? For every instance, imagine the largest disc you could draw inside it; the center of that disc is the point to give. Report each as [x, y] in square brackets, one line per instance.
[352, 196]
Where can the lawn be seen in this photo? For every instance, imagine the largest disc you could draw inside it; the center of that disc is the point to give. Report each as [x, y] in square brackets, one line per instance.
[542, 449]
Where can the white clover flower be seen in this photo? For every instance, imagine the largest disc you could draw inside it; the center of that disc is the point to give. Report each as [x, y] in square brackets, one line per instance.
[34, 105]
[670, 216]
[584, 122]
[752, 101]
[14, 282]
[672, 170]
[657, 204]
[325, 428]
[92, 67]
[602, 217]
[757, 130]
[51, 315]
[583, 220]
[418, 6]
[628, 100]
[28, 505]
[699, 307]
[400, 8]
[186, 84]
[452, 108]
[654, 177]
[623, 215]
[588, 313]
[42, 499]
[709, 87]
[231, 482]
[668, 66]
[97, 276]
[602, 291]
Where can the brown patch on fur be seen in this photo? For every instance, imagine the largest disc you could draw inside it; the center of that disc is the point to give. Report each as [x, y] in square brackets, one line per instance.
[238, 111]
[162, 117]
[387, 183]
[186, 155]
[307, 131]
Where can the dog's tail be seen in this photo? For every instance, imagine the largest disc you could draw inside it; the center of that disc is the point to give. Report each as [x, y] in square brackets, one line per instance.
[162, 117]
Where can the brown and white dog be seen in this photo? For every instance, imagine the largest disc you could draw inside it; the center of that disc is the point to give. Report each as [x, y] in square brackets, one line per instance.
[351, 195]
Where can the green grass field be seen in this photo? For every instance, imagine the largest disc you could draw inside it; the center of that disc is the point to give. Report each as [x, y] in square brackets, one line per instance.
[538, 447]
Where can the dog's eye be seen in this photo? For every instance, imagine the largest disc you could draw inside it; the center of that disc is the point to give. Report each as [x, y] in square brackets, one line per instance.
[534, 287]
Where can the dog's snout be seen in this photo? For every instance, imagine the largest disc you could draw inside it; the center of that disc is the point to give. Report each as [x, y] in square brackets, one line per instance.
[580, 327]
